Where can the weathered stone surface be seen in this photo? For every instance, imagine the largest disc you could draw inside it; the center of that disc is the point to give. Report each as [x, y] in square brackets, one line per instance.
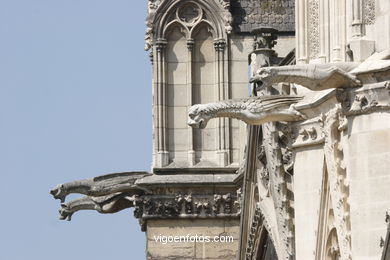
[192, 179]
[249, 15]
[192, 250]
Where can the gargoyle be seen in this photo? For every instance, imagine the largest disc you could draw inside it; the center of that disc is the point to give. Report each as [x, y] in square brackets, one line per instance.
[106, 194]
[323, 76]
[100, 186]
[312, 76]
[252, 110]
[104, 204]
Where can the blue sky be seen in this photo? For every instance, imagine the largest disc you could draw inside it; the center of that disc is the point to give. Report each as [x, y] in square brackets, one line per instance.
[75, 102]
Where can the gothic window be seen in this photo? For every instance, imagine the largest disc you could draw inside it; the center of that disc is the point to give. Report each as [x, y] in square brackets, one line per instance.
[189, 64]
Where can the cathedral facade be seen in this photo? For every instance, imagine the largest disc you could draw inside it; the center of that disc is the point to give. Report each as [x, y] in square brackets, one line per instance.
[271, 128]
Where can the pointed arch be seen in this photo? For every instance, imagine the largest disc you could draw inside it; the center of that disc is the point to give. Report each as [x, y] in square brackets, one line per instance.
[211, 12]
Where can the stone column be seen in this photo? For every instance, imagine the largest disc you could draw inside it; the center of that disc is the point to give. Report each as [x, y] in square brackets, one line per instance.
[361, 47]
[263, 54]
[160, 120]
[223, 149]
[301, 39]
[357, 25]
[336, 31]
[324, 31]
[191, 148]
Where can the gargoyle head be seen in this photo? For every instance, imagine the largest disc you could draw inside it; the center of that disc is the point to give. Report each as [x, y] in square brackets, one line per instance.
[65, 213]
[198, 116]
[262, 77]
[59, 192]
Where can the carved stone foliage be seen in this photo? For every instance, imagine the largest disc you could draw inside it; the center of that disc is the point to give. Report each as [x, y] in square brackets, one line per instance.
[152, 8]
[338, 182]
[227, 16]
[275, 159]
[285, 140]
[257, 222]
[309, 132]
[369, 98]
[263, 171]
[155, 206]
[314, 28]
[256, 238]
[369, 12]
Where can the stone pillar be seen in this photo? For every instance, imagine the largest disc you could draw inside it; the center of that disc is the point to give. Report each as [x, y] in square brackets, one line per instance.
[357, 25]
[223, 147]
[191, 149]
[160, 119]
[336, 30]
[361, 47]
[301, 33]
[263, 54]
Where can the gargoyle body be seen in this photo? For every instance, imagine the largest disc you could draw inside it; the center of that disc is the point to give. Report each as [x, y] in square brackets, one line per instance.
[104, 204]
[323, 76]
[312, 76]
[106, 194]
[252, 110]
[99, 186]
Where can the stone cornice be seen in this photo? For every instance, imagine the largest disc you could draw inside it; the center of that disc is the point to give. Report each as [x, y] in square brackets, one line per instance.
[184, 206]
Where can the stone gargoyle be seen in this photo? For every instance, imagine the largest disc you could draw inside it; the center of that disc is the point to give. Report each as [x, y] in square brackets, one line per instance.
[104, 204]
[106, 194]
[323, 76]
[251, 110]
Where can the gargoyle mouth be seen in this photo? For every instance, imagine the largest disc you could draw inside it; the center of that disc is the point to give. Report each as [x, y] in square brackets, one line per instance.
[65, 213]
[197, 124]
[58, 193]
[256, 79]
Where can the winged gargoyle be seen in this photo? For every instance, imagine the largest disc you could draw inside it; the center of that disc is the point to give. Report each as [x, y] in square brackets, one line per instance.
[323, 76]
[251, 110]
[106, 194]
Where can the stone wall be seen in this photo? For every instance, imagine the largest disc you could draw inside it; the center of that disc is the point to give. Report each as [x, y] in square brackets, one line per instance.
[192, 250]
[369, 164]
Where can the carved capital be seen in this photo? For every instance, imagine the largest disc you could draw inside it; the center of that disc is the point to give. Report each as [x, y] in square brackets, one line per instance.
[264, 38]
[160, 44]
[190, 44]
[219, 45]
[151, 57]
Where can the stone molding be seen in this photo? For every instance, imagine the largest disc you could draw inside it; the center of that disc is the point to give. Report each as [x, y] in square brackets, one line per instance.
[185, 206]
[334, 127]
[154, 196]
